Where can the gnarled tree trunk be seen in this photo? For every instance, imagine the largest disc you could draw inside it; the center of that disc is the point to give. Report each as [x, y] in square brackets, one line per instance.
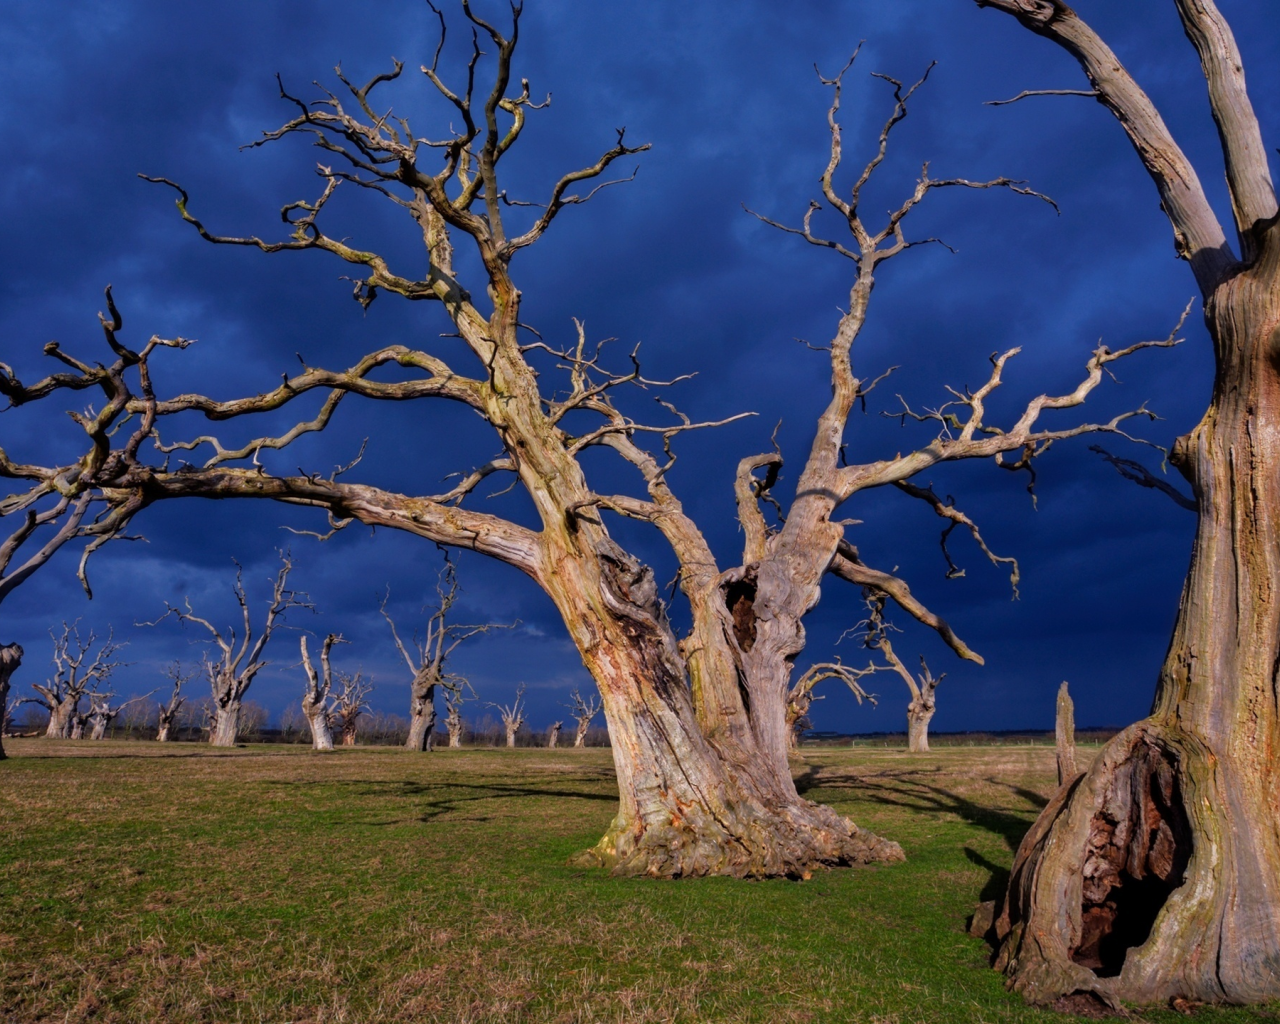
[919, 714]
[422, 720]
[553, 735]
[60, 718]
[225, 727]
[1158, 873]
[165, 726]
[454, 725]
[317, 716]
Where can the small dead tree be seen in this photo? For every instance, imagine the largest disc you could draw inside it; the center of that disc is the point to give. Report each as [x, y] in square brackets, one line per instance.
[801, 697]
[102, 713]
[431, 651]
[317, 698]
[78, 671]
[349, 704]
[454, 698]
[553, 734]
[168, 713]
[10, 659]
[231, 672]
[922, 687]
[513, 715]
[584, 710]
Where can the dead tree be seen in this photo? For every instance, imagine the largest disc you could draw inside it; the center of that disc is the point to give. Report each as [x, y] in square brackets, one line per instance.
[10, 659]
[78, 671]
[349, 704]
[801, 696]
[167, 714]
[584, 710]
[102, 713]
[553, 734]
[697, 723]
[1064, 734]
[454, 698]
[513, 715]
[1157, 875]
[317, 698]
[427, 662]
[232, 671]
[922, 687]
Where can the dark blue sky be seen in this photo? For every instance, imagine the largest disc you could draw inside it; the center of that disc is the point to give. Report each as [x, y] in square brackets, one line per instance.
[727, 95]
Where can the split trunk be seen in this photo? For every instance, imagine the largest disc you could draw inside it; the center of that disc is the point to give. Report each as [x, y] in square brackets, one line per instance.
[226, 724]
[1156, 873]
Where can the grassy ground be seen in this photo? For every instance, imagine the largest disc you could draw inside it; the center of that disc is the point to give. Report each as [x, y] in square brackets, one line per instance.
[150, 883]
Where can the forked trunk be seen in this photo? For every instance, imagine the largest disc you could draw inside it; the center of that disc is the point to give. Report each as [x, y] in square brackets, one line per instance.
[164, 729]
[919, 715]
[1157, 873]
[422, 725]
[690, 802]
[226, 724]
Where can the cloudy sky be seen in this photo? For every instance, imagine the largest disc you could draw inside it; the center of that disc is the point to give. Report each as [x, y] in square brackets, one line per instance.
[727, 95]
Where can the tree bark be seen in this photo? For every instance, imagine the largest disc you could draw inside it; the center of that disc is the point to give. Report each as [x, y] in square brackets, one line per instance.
[60, 716]
[164, 728]
[553, 737]
[226, 724]
[1157, 873]
[317, 717]
[99, 730]
[10, 659]
[1064, 732]
[580, 736]
[919, 715]
[422, 718]
[454, 724]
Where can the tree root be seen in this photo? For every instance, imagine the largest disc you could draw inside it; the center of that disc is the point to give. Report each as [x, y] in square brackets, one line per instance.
[790, 843]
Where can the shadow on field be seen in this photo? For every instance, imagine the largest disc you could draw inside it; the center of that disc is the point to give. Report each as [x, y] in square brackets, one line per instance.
[437, 806]
[998, 884]
[908, 789]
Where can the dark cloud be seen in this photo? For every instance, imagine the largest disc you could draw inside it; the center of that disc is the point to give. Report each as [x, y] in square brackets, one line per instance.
[728, 97]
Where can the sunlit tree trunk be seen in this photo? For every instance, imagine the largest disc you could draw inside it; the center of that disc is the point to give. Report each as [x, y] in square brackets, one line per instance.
[10, 659]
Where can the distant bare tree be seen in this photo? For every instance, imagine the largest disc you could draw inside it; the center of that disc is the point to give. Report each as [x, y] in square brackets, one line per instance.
[427, 662]
[10, 659]
[241, 658]
[102, 713]
[553, 735]
[513, 715]
[317, 697]
[801, 696]
[77, 672]
[168, 713]
[293, 723]
[349, 704]
[454, 698]
[584, 710]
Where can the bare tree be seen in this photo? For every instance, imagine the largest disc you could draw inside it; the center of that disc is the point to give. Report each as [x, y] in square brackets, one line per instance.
[317, 697]
[922, 687]
[1157, 875]
[231, 673]
[454, 698]
[553, 734]
[584, 710]
[349, 704]
[430, 653]
[513, 715]
[78, 670]
[697, 723]
[801, 696]
[102, 713]
[10, 659]
[168, 713]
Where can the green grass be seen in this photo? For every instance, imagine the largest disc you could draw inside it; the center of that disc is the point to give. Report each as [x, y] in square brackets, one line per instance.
[150, 883]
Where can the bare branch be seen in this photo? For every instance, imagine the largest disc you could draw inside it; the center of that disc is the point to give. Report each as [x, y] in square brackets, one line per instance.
[1143, 477]
[1042, 92]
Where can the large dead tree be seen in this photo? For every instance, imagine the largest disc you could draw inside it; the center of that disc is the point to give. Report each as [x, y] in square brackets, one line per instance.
[239, 659]
[584, 710]
[431, 651]
[697, 723]
[801, 697]
[79, 670]
[317, 697]
[1156, 874]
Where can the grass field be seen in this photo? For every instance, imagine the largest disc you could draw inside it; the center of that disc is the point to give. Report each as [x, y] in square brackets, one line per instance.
[141, 882]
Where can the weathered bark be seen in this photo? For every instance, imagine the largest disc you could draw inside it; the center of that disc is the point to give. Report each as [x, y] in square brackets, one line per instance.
[165, 724]
[98, 731]
[316, 696]
[453, 723]
[553, 736]
[317, 717]
[60, 714]
[422, 720]
[919, 715]
[225, 727]
[10, 659]
[1156, 875]
[1064, 735]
